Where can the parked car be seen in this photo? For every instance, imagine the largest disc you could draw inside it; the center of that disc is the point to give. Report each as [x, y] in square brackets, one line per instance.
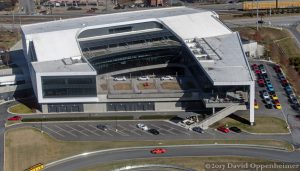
[188, 122]
[102, 127]
[296, 106]
[256, 104]
[274, 97]
[197, 129]
[235, 129]
[269, 103]
[158, 151]
[265, 95]
[153, 131]
[168, 77]
[278, 106]
[15, 118]
[277, 68]
[288, 89]
[254, 66]
[261, 82]
[142, 126]
[257, 72]
[120, 78]
[284, 82]
[263, 71]
[293, 98]
[223, 129]
[143, 78]
[261, 66]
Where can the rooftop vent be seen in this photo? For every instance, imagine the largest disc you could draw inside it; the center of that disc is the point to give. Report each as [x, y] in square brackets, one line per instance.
[70, 61]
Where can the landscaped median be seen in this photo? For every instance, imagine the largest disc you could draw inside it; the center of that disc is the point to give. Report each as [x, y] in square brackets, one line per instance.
[25, 147]
[197, 163]
[20, 109]
[263, 124]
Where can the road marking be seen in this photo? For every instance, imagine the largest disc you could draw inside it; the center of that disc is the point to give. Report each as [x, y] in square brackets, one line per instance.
[76, 130]
[68, 132]
[99, 130]
[132, 130]
[88, 130]
[53, 131]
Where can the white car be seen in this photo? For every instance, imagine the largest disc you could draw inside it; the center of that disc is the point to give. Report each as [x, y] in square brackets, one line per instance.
[168, 77]
[120, 78]
[143, 78]
[263, 71]
[142, 126]
[266, 95]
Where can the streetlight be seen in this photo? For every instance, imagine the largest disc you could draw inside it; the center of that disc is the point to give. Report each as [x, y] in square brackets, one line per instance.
[42, 124]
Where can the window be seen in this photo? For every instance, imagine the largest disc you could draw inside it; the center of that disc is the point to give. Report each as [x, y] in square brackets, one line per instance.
[69, 86]
[120, 30]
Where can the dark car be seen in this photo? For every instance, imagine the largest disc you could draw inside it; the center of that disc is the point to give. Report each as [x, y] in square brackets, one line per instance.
[296, 106]
[153, 131]
[102, 127]
[198, 129]
[235, 129]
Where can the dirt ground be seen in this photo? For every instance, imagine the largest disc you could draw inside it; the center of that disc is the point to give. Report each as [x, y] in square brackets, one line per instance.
[171, 85]
[8, 38]
[122, 86]
[279, 46]
[143, 86]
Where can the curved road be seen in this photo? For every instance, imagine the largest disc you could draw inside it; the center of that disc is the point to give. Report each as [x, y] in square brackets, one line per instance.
[88, 160]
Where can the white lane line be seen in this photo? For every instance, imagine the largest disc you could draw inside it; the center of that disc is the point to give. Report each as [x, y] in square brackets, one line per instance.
[88, 130]
[76, 130]
[68, 132]
[131, 131]
[105, 132]
[53, 131]
[179, 131]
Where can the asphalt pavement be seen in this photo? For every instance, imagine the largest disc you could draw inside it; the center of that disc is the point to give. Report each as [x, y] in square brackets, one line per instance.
[96, 158]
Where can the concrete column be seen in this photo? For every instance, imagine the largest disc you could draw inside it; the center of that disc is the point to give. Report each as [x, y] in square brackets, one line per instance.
[251, 103]
[213, 110]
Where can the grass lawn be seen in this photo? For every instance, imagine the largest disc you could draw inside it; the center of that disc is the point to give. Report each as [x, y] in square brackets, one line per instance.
[196, 163]
[7, 38]
[263, 124]
[20, 108]
[25, 147]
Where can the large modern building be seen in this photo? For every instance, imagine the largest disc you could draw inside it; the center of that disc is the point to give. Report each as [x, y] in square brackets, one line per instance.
[119, 62]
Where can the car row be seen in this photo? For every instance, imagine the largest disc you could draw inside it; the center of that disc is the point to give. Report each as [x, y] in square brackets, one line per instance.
[146, 128]
[225, 129]
[292, 98]
[143, 78]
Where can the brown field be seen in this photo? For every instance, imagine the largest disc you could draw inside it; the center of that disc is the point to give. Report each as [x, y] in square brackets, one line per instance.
[171, 85]
[122, 86]
[141, 86]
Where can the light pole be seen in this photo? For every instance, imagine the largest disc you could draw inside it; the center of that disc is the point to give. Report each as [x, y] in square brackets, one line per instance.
[257, 15]
[116, 125]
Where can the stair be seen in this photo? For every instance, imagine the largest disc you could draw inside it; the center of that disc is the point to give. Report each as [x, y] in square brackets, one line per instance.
[218, 116]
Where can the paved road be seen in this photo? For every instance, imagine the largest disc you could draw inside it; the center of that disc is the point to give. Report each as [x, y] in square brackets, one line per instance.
[84, 161]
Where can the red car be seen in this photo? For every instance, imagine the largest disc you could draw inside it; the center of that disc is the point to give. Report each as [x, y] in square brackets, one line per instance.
[15, 118]
[254, 67]
[223, 129]
[261, 82]
[158, 151]
[277, 68]
[276, 102]
[257, 71]
[284, 82]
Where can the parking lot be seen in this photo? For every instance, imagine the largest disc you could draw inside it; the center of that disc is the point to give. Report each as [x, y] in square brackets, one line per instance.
[278, 89]
[127, 130]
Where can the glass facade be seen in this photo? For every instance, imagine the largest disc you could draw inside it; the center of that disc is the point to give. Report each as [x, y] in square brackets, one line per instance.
[69, 86]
